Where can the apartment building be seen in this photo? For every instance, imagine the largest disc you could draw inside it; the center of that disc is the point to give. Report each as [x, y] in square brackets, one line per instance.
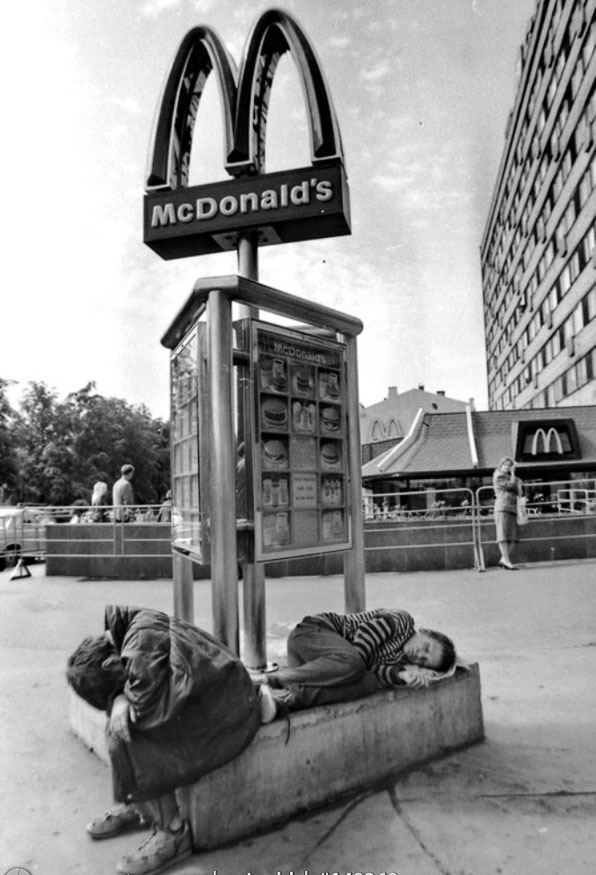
[538, 252]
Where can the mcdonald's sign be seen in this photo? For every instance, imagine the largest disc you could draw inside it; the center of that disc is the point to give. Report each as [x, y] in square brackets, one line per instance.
[547, 441]
[283, 207]
[551, 440]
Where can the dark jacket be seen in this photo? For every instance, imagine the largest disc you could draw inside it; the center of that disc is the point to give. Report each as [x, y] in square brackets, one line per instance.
[195, 703]
[507, 488]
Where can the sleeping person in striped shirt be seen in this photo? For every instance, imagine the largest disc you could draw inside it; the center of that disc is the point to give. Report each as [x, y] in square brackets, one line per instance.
[340, 657]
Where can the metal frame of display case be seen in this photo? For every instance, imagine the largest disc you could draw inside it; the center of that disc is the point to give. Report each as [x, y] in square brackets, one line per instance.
[218, 422]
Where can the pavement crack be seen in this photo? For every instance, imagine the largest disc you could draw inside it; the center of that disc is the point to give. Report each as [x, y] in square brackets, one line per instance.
[414, 832]
[552, 794]
[345, 813]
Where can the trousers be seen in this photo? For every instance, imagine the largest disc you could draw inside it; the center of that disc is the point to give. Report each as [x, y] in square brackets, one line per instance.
[323, 667]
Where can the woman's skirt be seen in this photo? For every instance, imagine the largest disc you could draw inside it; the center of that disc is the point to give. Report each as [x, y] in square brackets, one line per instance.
[507, 528]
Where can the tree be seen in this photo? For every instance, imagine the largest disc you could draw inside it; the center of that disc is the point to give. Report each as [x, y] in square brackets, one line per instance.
[65, 447]
[8, 458]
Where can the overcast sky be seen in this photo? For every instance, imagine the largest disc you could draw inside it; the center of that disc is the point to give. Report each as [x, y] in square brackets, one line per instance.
[422, 90]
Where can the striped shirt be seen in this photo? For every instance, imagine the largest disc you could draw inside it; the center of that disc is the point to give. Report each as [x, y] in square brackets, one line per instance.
[379, 636]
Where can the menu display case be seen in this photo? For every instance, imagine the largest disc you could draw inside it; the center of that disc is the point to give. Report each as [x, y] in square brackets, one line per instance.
[299, 443]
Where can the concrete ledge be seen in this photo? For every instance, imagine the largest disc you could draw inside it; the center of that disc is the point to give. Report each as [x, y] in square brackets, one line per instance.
[318, 755]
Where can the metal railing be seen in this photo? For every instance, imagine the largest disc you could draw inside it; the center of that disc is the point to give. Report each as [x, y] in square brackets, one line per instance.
[422, 504]
[555, 499]
[23, 530]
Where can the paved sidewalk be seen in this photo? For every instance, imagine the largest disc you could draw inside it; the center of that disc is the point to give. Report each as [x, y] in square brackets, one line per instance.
[521, 803]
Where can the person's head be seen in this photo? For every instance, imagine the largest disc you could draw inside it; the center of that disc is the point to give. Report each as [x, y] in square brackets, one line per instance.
[430, 649]
[99, 490]
[79, 506]
[127, 471]
[506, 464]
[95, 671]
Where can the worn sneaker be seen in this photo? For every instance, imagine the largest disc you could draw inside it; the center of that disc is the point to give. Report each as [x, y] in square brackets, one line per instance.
[285, 701]
[266, 703]
[275, 702]
[159, 851]
[117, 819]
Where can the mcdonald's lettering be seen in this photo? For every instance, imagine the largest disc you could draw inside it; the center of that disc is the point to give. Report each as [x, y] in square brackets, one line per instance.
[296, 205]
[202, 219]
[250, 202]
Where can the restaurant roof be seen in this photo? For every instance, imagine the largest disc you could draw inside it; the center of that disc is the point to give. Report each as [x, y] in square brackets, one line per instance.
[450, 443]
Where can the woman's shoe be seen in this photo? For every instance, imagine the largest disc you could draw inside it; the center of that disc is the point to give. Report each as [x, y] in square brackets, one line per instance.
[506, 566]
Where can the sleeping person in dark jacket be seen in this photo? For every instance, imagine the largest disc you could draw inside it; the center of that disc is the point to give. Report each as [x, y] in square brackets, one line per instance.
[180, 704]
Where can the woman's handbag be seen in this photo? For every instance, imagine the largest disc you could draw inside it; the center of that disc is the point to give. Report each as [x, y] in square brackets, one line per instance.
[522, 511]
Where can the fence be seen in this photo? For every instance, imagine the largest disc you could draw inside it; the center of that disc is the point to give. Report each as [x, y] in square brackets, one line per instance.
[80, 536]
[561, 525]
[403, 531]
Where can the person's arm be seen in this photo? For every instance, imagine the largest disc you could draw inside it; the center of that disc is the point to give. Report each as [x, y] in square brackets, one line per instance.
[508, 483]
[121, 716]
[382, 628]
[401, 674]
[129, 496]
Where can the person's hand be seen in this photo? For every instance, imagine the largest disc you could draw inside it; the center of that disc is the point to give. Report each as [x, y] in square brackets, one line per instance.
[123, 714]
[414, 677]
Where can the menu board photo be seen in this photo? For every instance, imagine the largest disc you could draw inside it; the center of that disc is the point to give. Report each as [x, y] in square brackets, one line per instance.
[300, 443]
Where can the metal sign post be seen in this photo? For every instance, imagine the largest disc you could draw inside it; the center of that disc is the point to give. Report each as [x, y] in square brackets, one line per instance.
[253, 575]
[314, 504]
[222, 468]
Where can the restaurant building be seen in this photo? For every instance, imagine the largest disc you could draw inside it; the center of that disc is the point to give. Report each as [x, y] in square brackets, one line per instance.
[452, 456]
[387, 422]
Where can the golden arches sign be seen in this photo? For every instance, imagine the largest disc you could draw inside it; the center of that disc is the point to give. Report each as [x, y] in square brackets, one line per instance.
[281, 207]
[541, 442]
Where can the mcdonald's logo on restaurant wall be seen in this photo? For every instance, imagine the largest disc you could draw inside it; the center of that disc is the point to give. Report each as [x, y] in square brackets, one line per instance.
[282, 207]
[551, 440]
[541, 442]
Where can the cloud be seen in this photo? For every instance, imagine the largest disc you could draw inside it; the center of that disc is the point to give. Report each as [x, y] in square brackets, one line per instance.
[338, 42]
[154, 8]
[129, 104]
[375, 74]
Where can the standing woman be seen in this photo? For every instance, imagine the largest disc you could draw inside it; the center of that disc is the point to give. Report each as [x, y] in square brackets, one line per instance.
[507, 488]
[99, 501]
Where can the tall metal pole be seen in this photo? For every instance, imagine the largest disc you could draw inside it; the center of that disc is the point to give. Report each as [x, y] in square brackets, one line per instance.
[182, 573]
[253, 574]
[354, 570]
[224, 571]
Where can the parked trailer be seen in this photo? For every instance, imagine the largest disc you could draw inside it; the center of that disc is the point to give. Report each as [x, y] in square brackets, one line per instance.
[22, 534]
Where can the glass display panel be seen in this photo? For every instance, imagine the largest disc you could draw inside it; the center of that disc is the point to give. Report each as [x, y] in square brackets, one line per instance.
[300, 446]
[184, 389]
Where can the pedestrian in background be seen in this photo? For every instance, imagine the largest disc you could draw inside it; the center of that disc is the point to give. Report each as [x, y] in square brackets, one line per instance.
[78, 512]
[123, 495]
[508, 488]
[99, 501]
[165, 511]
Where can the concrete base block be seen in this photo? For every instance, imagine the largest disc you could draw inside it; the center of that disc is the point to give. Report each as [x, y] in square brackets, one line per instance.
[89, 725]
[319, 755]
